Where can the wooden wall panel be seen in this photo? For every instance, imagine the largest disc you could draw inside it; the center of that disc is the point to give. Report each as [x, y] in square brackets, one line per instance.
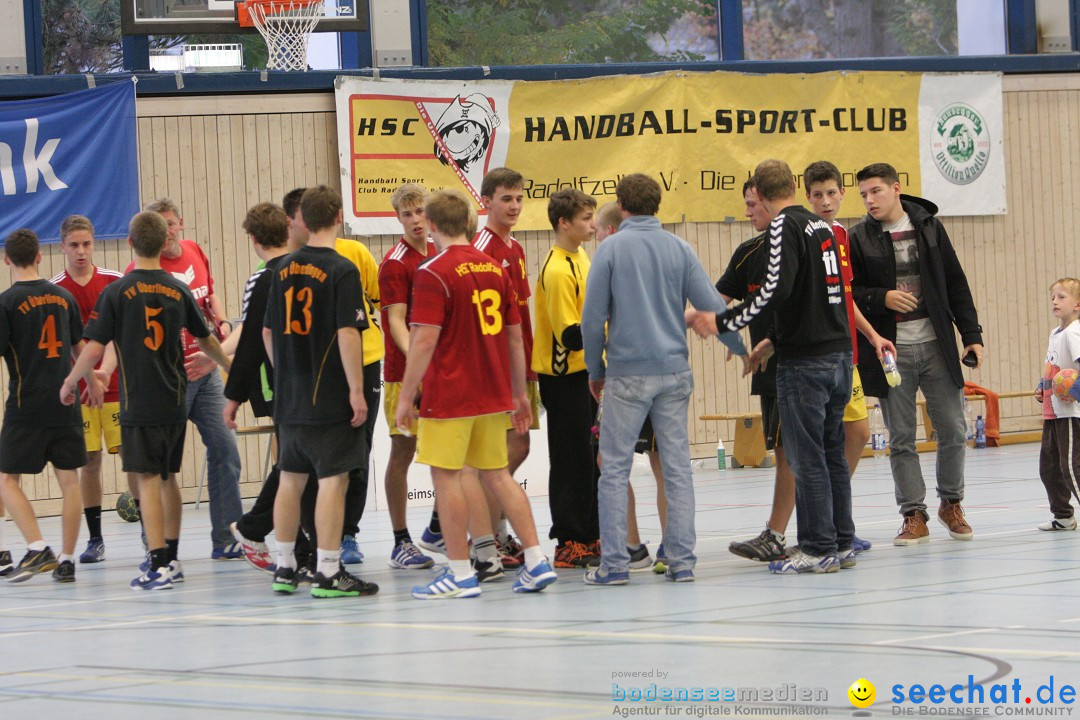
[218, 156]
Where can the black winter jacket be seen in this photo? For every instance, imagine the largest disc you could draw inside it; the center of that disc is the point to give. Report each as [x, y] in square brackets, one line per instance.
[944, 287]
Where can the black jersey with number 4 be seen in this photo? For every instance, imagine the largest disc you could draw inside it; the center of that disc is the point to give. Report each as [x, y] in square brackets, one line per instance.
[315, 293]
[39, 323]
[142, 313]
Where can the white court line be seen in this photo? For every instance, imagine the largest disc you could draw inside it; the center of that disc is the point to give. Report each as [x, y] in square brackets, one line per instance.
[944, 635]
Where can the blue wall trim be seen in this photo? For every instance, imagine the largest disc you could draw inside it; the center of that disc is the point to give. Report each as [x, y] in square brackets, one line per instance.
[729, 13]
[14, 86]
[35, 48]
[1021, 27]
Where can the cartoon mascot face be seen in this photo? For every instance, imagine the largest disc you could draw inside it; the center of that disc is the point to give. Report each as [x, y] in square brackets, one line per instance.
[466, 127]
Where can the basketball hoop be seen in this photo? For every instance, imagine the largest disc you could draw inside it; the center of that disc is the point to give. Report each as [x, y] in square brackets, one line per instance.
[286, 26]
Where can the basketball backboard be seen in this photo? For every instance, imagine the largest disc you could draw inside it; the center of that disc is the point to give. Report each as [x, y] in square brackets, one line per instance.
[185, 17]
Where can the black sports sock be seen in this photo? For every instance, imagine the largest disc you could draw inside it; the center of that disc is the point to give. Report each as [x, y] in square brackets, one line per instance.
[402, 536]
[159, 558]
[173, 547]
[93, 520]
[434, 525]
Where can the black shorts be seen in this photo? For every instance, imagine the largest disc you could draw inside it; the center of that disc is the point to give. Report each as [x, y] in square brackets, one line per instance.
[646, 441]
[152, 449]
[322, 450]
[770, 421]
[24, 450]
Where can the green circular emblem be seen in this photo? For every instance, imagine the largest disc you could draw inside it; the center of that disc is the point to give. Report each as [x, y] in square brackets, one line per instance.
[960, 143]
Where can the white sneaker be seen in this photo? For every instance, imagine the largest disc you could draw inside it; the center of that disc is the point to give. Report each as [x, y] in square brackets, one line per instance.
[1068, 523]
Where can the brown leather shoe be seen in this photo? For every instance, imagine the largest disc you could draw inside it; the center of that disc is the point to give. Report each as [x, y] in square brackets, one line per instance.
[913, 531]
[951, 515]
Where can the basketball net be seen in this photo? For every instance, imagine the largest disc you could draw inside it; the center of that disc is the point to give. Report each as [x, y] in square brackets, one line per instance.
[286, 26]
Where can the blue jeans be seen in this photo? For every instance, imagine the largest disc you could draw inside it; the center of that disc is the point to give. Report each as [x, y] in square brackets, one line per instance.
[924, 366]
[205, 408]
[812, 392]
[627, 401]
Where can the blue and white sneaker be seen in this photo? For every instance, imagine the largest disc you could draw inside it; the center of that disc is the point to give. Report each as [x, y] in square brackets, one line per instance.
[94, 552]
[350, 551]
[144, 566]
[681, 575]
[232, 551]
[407, 556]
[176, 571]
[536, 579]
[799, 562]
[446, 586]
[159, 579]
[859, 545]
[603, 576]
[432, 542]
[847, 558]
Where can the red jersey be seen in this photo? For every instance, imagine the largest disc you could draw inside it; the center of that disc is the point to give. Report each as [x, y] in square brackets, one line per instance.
[511, 256]
[470, 297]
[396, 275]
[840, 233]
[192, 268]
[86, 297]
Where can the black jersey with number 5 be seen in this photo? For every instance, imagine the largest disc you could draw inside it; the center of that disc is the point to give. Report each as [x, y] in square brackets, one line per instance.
[39, 323]
[315, 293]
[142, 313]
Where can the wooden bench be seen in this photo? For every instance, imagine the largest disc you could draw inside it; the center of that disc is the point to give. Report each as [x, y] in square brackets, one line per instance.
[749, 447]
[240, 431]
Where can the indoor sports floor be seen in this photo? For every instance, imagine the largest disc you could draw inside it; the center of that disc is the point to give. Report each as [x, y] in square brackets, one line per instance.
[1001, 609]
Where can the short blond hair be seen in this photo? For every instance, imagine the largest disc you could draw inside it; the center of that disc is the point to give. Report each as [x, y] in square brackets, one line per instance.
[609, 215]
[774, 180]
[1071, 285]
[451, 213]
[163, 205]
[409, 195]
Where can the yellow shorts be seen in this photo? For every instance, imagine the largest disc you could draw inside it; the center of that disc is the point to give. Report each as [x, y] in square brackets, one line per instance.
[451, 444]
[532, 387]
[97, 422]
[856, 407]
[391, 393]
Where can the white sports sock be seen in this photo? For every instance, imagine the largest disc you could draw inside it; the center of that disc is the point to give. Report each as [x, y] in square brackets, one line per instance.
[485, 548]
[329, 562]
[36, 546]
[503, 532]
[461, 569]
[533, 557]
[286, 554]
[3, 524]
[66, 558]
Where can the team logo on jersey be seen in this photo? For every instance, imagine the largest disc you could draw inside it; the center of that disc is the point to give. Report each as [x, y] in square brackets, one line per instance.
[185, 277]
[960, 143]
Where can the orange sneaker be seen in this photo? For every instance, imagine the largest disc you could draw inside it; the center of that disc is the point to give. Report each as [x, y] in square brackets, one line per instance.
[913, 531]
[951, 515]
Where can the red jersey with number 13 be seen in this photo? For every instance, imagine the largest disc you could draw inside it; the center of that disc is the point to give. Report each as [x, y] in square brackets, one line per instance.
[468, 295]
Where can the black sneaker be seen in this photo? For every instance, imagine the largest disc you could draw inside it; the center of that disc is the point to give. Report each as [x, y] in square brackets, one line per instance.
[766, 547]
[639, 558]
[490, 570]
[284, 581]
[64, 572]
[34, 562]
[341, 585]
[7, 565]
[305, 575]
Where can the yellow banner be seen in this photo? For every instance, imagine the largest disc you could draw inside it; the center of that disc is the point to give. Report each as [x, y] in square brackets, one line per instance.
[699, 134]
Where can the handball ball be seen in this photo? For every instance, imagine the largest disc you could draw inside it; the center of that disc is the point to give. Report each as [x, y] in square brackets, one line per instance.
[1063, 382]
[126, 508]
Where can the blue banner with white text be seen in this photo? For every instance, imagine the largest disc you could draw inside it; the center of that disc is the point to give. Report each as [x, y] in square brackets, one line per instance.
[73, 154]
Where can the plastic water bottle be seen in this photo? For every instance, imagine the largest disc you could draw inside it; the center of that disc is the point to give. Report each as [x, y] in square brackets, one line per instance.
[892, 373]
[721, 455]
[969, 423]
[980, 432]
[877, 432]
[599, 417]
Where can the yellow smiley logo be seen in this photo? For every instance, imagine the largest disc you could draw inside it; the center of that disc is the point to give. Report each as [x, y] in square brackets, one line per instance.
[862, 693]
